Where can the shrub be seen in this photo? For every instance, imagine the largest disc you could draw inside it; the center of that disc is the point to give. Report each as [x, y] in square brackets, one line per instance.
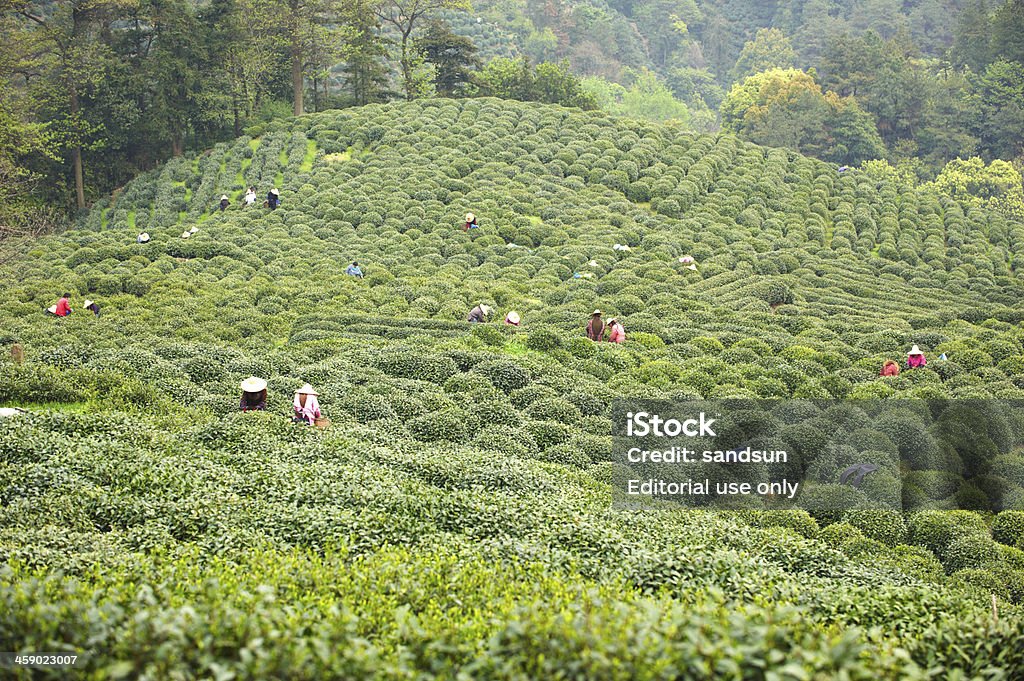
[448, 424]
[544, 340]
[1008, 528]
[968, 551]
[936, 530]
[505, 375]
[883, 525]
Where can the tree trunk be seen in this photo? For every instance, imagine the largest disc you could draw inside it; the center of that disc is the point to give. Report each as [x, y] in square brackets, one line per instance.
[406, 69]
[297, 83]
[76, 155]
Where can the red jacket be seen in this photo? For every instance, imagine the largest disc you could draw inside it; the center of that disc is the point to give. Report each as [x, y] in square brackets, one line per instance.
[891, 369]
[63, 308]
[616, 333]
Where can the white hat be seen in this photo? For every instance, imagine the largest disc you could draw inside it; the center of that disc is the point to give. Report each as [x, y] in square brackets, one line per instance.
[914, 351]
[186, 234]
[194, 229]
[593, 263]
[52, 308]
[275, 192]
[513, 317]
[306, 389]
[691, 267]
[224, 197]
[486, 309]
[595, 312]
[143, 238]
[253, 384]
[613, 320]
[470, 217]
[87, 303]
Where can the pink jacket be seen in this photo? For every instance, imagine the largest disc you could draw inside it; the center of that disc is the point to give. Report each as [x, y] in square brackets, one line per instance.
[616, 333]
[308, 413]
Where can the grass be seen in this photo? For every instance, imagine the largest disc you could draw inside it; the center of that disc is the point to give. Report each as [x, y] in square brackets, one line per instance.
[307, 161]
[74, 407]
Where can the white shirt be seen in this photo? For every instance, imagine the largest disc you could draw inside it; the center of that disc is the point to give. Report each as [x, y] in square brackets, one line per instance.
[250, 198]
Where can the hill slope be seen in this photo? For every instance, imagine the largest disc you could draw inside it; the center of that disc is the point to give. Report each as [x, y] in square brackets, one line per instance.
[455, 517]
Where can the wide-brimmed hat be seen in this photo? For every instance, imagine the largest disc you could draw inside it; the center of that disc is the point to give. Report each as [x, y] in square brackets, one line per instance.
[87, 303]
[470, 217]
[253, 385]
[593, 263]
[194, 229]
[186, 234]
[486, 309]
[915, 351]
[224, 197]
[595, 313]
[143, 238]
[275, 192]
[52, 309]
[306, 389]
[613, 320]
[513, 317]
[691, 267]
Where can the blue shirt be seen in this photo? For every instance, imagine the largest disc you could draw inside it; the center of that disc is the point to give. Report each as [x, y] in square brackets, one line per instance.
[354, 271]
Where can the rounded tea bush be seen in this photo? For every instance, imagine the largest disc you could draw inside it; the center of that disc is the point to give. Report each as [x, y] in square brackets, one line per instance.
[968, 551]
[505, 375]
[1008, 528]
[936, 530]
[886, 526]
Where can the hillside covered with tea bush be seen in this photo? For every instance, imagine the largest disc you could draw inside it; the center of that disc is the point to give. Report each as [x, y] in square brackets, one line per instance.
[454, 521]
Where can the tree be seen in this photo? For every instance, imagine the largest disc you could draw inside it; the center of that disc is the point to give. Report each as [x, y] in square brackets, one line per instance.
[549, 83]
[852, 131]
[453, 57]
[1008, 31]
[364, 53]
[647, 98]
[999, 106]
[787, 108]
[555, 84]
[541, 45]
[72, 59]
[770, 49]
[997, 185]
[243, 46]
[972, 38]
[175, 68]
[404, 16]
[665, 25]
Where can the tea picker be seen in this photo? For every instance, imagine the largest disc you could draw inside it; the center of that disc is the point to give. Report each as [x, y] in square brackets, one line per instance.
[616, 332]
[224, 202]
[595, 327]
[354, 271]
[307, 408]
[479, 314]
[254, 394]
[62, 308]
[471, 223]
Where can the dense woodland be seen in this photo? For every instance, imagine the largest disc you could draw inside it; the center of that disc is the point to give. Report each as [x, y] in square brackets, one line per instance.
[96, 91]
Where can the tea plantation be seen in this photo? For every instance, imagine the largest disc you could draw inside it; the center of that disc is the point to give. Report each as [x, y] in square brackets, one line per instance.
[454, 521]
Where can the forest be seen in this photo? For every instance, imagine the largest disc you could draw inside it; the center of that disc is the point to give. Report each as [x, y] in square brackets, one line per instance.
[95, 92]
